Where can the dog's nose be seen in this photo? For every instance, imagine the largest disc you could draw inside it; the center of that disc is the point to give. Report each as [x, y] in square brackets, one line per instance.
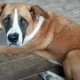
[13, 37]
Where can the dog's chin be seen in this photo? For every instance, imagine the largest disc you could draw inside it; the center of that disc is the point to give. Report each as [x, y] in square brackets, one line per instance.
[13, 45]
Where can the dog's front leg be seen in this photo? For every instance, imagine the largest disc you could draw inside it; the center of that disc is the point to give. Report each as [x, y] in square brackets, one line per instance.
[13, 50]
[72, 65]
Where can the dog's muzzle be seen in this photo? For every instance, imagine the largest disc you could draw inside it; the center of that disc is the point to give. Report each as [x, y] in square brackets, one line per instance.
[13, 38]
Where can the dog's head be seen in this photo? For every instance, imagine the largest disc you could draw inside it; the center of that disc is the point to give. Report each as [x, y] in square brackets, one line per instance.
[21, 22]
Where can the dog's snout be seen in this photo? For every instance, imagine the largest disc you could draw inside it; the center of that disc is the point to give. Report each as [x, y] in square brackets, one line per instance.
[13, 37]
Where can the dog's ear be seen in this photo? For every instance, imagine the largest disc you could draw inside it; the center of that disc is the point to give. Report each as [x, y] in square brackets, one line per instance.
[36, 10]
[2, 6]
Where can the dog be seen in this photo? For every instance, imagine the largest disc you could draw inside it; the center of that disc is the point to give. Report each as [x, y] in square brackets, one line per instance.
[47, 34]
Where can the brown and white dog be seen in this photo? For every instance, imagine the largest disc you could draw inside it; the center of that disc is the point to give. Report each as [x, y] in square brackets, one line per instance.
[30, 28]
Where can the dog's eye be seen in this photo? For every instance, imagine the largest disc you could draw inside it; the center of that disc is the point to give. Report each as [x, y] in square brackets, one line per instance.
[23, 22]
[6, 20]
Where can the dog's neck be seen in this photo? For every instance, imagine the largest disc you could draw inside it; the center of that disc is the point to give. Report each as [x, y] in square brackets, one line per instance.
[35, 31]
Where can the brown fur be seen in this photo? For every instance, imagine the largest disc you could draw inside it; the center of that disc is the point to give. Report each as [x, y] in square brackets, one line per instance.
[58, 39]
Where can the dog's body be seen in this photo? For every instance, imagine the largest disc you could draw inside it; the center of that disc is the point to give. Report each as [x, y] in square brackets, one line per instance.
[47, 34]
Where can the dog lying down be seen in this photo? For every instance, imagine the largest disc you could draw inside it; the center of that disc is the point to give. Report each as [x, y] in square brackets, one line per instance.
[32, 29]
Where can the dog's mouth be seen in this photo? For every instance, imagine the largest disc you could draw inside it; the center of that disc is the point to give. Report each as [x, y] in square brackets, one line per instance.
[13, 44]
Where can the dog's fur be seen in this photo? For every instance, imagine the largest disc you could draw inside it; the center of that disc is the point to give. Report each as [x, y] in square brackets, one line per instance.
[57, 39]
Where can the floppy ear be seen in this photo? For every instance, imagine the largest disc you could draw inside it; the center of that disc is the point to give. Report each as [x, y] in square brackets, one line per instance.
[2, 6]
[36, 10]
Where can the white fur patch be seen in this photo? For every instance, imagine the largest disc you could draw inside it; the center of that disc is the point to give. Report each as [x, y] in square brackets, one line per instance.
[48, 75]
[35, 31]
[15, 28]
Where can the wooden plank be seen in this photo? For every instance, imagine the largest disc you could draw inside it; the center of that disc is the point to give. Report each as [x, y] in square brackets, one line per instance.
[24, 67]
[32, 77]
